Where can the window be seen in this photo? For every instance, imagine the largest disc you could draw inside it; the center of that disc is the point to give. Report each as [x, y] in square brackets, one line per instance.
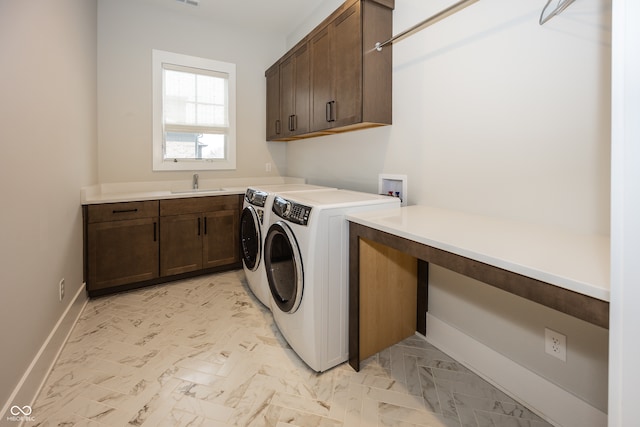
[193, 113]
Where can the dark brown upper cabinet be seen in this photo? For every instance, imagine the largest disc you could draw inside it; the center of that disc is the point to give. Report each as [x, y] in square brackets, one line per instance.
[294, 92]
[347, 84]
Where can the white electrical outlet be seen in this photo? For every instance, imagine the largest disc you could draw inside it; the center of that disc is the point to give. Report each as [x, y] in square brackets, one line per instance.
[555, 344]
[267, 167]
[61, 289]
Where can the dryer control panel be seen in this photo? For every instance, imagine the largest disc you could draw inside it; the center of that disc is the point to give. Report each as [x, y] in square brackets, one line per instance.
[256, 197]
[291, 211]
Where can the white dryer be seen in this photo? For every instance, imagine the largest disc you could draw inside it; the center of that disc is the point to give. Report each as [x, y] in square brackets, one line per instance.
[255, 214]
[306, 258]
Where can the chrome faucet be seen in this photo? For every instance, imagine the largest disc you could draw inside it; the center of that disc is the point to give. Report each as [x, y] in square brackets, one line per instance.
[195, 181]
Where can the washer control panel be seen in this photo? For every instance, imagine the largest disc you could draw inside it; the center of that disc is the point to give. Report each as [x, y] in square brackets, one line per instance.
[291, 211]
[256, 197]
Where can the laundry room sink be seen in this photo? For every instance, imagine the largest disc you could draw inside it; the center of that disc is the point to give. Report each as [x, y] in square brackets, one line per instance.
[198, 190]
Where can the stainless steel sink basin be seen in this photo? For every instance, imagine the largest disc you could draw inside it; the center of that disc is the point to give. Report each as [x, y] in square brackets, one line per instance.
[198, 191]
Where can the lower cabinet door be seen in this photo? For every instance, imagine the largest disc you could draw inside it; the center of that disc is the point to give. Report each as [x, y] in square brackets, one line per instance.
[221, 241]
[122, 252]
[181, 243]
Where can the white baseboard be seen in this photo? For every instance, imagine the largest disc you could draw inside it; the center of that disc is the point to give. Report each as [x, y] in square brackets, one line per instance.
[554, 404]
[33, 379]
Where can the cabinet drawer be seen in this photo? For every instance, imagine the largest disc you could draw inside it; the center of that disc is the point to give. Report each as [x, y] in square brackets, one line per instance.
[199, 204]
[121, 211]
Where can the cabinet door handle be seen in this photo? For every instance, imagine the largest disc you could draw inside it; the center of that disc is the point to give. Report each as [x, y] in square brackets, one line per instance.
[330, 111]
[294, 122]
[198, 226]
[277, 127]
[155, 231]
[119, 211]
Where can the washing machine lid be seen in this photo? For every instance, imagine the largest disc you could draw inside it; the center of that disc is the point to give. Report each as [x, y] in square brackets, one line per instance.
[257, 195]
[338, 198]
[280, 188]
[283, 263]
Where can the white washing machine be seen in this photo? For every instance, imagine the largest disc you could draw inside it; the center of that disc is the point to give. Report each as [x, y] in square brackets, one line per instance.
[306, 258]
[255, 214]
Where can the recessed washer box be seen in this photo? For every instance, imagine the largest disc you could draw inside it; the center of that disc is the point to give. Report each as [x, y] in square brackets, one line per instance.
[393, 185]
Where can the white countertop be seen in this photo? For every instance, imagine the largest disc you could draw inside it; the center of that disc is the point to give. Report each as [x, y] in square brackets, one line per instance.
[573, 261]
[139, 191]
[136, 196]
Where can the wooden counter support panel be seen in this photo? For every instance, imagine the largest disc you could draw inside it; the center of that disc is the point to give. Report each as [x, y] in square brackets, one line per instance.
[417, 309]
[388, 282]
[578, 305]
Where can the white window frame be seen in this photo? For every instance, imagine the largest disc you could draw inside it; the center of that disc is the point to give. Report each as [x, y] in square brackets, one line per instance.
[159, 58]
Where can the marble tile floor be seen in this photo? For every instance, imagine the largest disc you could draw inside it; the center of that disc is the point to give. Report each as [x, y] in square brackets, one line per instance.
[205, 352]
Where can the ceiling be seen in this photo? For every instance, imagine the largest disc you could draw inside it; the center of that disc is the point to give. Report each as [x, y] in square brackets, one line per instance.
[275, 16]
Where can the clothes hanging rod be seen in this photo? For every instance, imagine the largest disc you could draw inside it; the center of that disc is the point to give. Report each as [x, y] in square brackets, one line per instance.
[560, 7]
[427, 22]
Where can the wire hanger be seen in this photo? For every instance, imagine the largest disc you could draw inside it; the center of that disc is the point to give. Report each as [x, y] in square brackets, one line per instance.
[560, 6]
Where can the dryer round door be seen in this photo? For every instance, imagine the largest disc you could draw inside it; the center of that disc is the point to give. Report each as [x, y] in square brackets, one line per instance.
[250, 238]
[284, 267]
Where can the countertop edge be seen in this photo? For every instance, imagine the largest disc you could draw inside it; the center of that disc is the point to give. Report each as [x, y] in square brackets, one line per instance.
[155, 195]
[178, 189]
[372, 220]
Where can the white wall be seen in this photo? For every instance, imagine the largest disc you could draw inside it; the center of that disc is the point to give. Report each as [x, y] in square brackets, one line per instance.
[48, 133]
[624, 373]
[496, 115]
[492, 114]
[127, 32]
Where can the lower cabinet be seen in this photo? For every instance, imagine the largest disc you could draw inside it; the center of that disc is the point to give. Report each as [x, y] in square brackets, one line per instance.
[221, 245]
[121, 244]
[198, 233]
[181, 248]
[131, 244]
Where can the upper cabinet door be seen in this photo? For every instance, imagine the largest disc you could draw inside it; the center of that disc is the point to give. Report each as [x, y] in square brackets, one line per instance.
[294, 93]
[321, 87]
[274, 122]
[346, 57]
[302, 84]
[336, 69]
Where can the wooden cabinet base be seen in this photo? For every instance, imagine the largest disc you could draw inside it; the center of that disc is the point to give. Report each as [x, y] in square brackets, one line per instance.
[160, 280]
[133, 244]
